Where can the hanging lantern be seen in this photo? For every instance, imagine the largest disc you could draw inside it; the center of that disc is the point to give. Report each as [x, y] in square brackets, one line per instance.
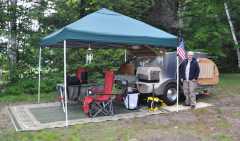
[89, 56]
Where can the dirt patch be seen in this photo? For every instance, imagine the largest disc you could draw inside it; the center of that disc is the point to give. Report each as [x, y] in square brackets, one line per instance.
[232, 116]
[183, 117]
[162, 120]
[5, 121]
[162, 137]
[221, 122]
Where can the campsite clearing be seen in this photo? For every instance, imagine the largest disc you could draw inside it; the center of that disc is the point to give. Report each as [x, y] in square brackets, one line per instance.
[221, 122]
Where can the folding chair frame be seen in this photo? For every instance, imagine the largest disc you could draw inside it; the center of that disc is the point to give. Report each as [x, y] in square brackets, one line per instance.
[104, 108]
[61, 97]
[60, 89]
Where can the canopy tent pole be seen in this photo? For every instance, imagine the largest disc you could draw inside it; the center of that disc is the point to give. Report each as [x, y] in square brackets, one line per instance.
[177, 81]
[65, 83]
[125, 55]
[39, 73]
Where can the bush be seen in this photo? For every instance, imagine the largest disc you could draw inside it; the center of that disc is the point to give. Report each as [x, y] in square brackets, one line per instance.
[47, 86]
[49, 82]
[29, 86]
[13, 90]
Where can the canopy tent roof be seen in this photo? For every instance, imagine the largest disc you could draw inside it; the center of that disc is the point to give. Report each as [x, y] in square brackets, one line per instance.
[106, 26]
[103, 27]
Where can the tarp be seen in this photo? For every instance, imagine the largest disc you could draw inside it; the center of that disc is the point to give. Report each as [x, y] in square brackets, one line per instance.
[106, 26]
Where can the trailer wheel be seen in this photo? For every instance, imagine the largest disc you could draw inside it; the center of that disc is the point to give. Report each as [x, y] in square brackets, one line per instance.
[170, 94]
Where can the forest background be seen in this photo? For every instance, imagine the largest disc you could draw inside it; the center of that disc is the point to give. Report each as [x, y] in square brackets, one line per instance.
[202, 23]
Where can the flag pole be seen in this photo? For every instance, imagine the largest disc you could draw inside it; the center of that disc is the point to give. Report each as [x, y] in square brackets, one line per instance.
[177, 82]
[180, 24]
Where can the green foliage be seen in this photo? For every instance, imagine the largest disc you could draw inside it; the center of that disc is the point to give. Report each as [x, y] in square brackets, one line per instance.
[30, 86]
[109, 58]
[237, 46]
[48, 85]
[206, 29]
[204, 26]
[26, 90]
[13, 90]
[64, 12]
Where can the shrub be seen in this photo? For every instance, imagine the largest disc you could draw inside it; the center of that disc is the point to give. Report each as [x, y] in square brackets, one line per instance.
[29, 86]
[13, 89]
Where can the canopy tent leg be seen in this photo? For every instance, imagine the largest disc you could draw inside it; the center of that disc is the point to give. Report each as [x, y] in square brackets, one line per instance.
[65, 83]
[177, 82]
[39, 73]
[125, 55]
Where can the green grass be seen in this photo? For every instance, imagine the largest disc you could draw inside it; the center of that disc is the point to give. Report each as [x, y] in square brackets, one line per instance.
[133, 128]
[230, 79]
[229, 85]
[45, 97]
[236, 114]
[223, 137]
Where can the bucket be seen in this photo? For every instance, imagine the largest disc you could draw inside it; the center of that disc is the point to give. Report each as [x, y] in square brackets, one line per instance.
[131, 101]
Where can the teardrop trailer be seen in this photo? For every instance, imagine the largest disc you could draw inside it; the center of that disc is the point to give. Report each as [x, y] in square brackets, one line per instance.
[158, 74]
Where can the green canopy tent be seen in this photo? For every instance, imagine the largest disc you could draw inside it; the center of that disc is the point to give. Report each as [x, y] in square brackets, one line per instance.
[105, 28]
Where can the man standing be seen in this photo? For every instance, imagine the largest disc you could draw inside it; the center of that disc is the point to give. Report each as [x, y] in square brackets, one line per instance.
[189, 72]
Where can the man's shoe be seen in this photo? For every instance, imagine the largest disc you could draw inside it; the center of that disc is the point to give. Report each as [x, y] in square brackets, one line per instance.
[193, 107]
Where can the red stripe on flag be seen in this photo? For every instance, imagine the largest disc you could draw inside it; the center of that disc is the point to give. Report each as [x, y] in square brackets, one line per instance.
[181, 53]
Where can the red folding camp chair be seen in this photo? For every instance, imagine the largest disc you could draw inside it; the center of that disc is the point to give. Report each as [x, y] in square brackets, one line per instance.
[100, 101]
[81, 74]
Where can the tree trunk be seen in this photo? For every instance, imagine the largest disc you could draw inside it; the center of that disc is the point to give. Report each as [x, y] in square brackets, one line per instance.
[12, 49]
[233, 33]
[164, 14]
[180, 18]
[238, 56]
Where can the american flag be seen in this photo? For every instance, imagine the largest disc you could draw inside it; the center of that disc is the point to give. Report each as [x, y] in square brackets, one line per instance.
[180, 50]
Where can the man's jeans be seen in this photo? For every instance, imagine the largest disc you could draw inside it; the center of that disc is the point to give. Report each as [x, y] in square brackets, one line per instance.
[189, 92]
